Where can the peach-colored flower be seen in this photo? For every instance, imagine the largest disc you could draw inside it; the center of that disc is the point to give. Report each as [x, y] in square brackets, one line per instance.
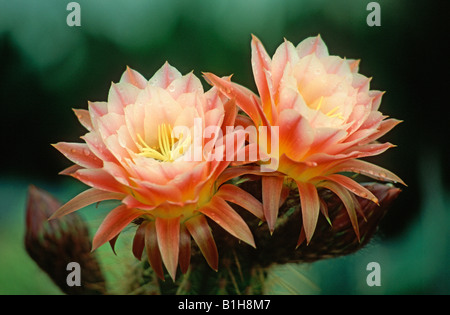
[133, 154]
[327, 119]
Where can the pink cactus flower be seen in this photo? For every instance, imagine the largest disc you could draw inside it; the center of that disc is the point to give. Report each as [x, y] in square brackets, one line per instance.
[132, 153]
[326, 117]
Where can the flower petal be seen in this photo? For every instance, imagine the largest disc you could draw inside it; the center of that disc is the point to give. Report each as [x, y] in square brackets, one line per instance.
[284, 55]
[188, 83]
[351, 185]
[79, 153]
[139, 241]
[201, 233]
[113, 224]
[84, 118]
[164, 76]
[347, 200]
[296, 135]
[366, 168]
[156, 194]
[229, 118]
[152, 249]
[100, 179]
[185, 249]
[233, 172]
[261, 63]
[309, 200]
[384, 127]
[98, 147]
[271, 194]
[242, 95]
[120, 95]
[168, 235]
[133, 77]
[312, 45]
[221, 212]
[70, 170]
[84, 199]
[242, 198]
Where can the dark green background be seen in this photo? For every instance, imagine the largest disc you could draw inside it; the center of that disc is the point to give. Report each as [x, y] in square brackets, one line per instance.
[47, 68]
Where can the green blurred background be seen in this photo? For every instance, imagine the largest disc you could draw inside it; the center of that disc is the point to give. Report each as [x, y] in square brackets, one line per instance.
[47, 68]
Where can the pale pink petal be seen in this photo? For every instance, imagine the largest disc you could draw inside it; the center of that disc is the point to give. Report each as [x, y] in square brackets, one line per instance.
[109, 123]
[353, 64]
[134, 115]
[126, 140]
[133, 77]
[164, 76]
[312, 45]
[214, 98]
[372, 121]
[326, 138]
[120, 95]
[289, 98]
[98, 147]
[336, 65]
[362, 83]
[313, 87]
[114, 146]
[118, 172]
[79, 153]
[188, 83]
[376, 99]
[70, 170]
[84, 118]
[384, 127]
[97, 110]
[307, 69]
[284, 55]
[261, 63]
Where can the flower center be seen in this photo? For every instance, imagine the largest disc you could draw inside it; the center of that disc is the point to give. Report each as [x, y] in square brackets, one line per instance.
[332, 113]
[169, 148]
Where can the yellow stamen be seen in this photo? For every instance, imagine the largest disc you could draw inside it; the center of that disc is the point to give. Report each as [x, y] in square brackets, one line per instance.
[332, 111]
[320, 103]
[338, 115]
[332, 115]
[168, 149]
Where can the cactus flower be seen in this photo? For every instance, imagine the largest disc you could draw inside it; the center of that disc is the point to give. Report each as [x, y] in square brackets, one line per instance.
[165, 180]
[327, 118]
